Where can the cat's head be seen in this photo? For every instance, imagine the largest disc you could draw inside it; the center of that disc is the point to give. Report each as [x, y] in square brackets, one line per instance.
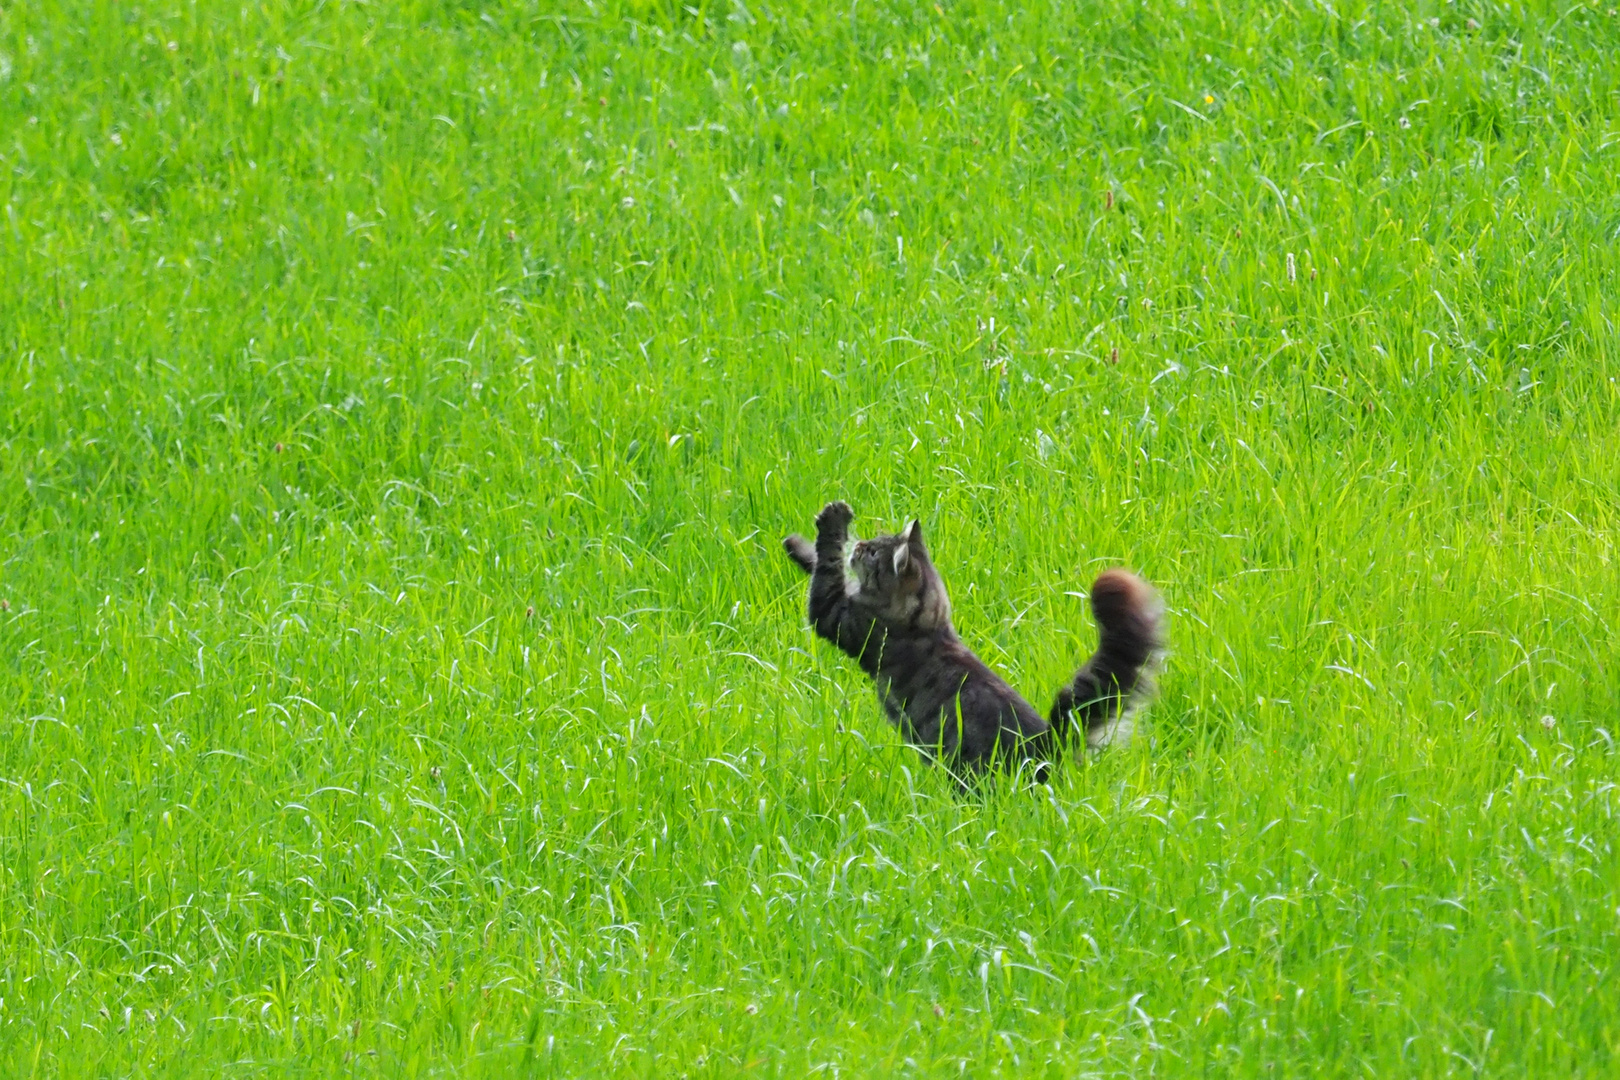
[894, 581]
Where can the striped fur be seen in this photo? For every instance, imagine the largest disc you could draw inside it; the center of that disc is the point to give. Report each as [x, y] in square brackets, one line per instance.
[882, 602]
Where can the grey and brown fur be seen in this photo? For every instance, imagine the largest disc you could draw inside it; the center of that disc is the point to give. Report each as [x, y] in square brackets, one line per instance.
[882, 602]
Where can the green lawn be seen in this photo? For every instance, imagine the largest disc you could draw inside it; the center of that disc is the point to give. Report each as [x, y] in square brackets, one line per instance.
[401, 405]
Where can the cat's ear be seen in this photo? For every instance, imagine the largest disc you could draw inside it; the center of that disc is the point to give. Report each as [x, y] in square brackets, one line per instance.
[912, 535]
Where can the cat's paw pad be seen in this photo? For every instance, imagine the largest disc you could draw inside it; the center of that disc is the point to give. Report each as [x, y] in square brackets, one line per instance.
[835, 515]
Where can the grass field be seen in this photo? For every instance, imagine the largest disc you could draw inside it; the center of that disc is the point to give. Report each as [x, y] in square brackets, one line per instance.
[401, 405]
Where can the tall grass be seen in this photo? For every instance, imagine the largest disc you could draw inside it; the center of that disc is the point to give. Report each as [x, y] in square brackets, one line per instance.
[401, 403]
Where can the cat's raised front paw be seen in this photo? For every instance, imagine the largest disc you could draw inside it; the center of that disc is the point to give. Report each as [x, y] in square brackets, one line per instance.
[802, 552]
[835, 516]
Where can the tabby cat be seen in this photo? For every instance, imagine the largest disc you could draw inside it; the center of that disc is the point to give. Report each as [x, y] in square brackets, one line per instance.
[882, 602]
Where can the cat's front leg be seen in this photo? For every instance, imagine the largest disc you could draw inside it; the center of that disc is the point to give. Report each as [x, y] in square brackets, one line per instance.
[802, 552]
[828, 598]
[832, 528]
[833, 522]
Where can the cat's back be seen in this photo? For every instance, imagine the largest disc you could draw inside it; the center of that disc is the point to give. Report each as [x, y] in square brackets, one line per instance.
[984, 684]
[948, 682]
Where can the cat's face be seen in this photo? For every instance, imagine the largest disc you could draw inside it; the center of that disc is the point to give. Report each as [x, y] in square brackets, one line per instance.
[895, 581]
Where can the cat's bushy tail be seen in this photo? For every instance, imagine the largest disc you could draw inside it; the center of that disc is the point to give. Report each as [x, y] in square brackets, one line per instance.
[1105, 694]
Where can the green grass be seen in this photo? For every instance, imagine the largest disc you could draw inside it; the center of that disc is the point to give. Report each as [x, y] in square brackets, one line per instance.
[401, 403]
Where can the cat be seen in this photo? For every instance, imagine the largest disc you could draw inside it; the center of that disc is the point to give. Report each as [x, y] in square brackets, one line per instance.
[884, 604]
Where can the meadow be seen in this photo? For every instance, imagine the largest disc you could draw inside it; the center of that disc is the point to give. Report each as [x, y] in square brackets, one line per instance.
[401, 405]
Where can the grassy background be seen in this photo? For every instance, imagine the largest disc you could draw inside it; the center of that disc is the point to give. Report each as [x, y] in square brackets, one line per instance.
[400, 404]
